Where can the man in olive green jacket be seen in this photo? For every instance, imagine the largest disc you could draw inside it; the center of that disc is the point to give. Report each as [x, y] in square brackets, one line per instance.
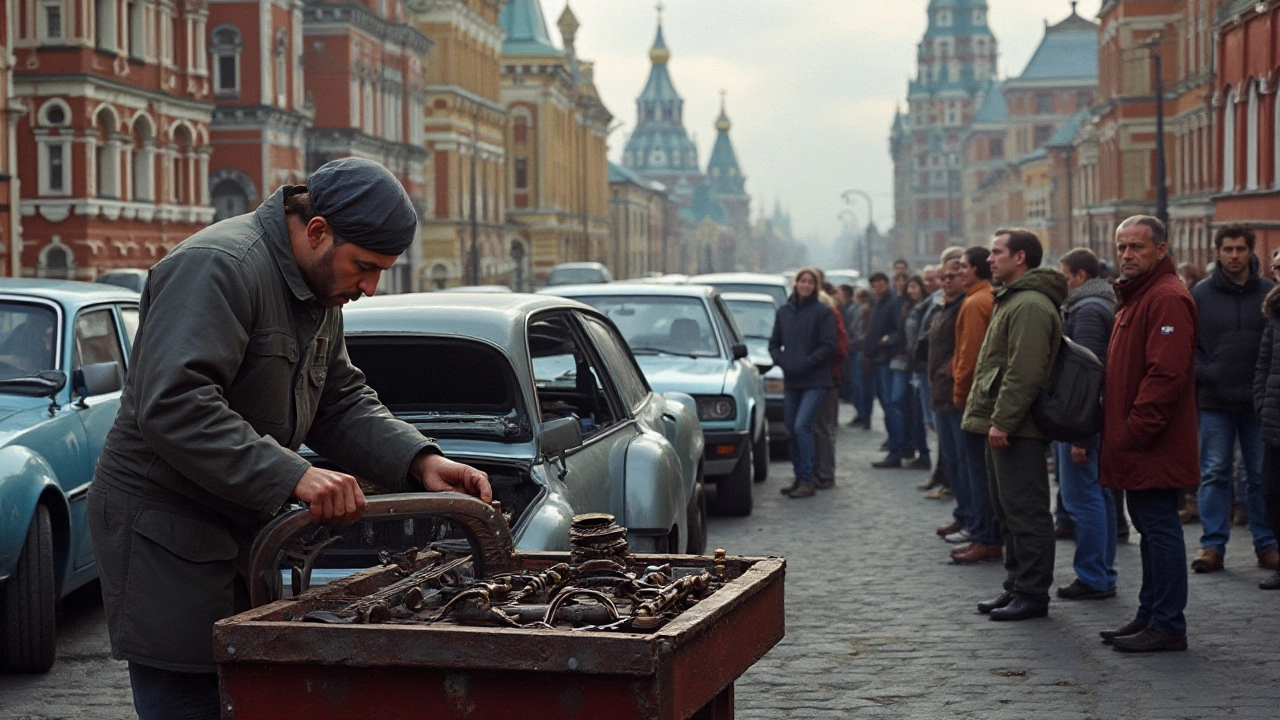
[238, 360]
[1017, 354]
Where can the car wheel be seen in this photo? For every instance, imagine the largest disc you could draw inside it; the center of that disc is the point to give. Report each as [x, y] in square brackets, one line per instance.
[733, 491]
[762, 458]
[28, 602]
[696, 522]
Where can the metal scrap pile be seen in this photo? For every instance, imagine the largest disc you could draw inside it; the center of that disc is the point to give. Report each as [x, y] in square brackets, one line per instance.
[599, 589]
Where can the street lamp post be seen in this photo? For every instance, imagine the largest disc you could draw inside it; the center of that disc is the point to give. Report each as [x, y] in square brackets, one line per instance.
[866, 235]
[1162, 192]
[475, 220]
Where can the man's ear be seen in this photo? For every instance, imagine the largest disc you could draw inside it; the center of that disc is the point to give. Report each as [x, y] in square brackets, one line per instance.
[317, 232]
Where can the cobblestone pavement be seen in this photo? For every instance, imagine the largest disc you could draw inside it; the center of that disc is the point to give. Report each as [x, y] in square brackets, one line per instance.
[879, 625]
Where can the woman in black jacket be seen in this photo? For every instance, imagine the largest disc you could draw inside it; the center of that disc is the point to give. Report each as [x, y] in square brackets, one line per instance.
[803, 343]
[1266, 402]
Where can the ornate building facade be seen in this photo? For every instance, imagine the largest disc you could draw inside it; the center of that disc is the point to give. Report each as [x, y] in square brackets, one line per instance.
[113, 149]
[638, 213]
[955, 69]
[558, 199]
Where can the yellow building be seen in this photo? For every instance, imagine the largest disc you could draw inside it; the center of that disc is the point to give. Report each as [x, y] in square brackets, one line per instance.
[557, 199]
[465, 132]
[639, 209]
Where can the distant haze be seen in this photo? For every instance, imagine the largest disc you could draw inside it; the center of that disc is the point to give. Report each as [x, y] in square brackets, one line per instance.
[812, 84]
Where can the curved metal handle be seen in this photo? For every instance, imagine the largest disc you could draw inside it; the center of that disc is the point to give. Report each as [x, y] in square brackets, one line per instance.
[492, 546]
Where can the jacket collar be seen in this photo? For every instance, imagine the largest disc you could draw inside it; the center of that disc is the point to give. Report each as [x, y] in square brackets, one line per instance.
[1227, 285]
[270, 215]
[1130, 290]
[978, 287]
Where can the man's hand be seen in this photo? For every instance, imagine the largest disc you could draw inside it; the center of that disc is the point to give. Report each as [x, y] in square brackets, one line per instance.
[1080, 455]
[440, 474]
[334, 497]
[997, 438]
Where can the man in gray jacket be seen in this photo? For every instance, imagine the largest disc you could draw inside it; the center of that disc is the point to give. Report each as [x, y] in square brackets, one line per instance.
[239, 358]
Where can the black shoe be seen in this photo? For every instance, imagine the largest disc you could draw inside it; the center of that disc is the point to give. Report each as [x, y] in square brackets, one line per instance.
[1022, 607]
[1134, 627]
[1149, 640]
[892, 461]
[986, 607]
[824, 484]
[1079, 591]
[1271, 583]
[921, 463]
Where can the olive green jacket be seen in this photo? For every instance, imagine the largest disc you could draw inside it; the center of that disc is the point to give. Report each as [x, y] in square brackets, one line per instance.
[235, 365]
[1017, 354]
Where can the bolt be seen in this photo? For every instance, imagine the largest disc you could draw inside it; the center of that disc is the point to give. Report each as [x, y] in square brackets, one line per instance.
[573, 663]
[231, 650]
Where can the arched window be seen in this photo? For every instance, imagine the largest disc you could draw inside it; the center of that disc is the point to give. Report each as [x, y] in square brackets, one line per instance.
[1229, 142]
[225, 46]
[107, 155]
[57, 261]
[143, 160]
[1251, 140]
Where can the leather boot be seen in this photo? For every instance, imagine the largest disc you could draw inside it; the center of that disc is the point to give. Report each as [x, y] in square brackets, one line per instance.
[1207, 561]
[1000, 601]
[1149, 640]
[1134, 627]
[1022, 607]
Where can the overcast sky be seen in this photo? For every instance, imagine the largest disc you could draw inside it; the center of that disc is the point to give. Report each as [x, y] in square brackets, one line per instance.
[812, 84]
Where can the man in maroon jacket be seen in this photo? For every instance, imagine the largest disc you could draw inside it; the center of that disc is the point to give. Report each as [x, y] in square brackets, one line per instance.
[1150, 444]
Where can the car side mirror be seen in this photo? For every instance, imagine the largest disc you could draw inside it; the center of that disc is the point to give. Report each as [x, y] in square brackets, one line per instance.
[561, 435]
[739, 351]
[96, 379]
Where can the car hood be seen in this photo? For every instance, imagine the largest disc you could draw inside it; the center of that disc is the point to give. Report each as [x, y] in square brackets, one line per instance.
[696, 376]
[18, 413]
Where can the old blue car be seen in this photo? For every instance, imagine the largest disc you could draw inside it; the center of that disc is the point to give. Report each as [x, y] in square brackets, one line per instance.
[63, 354]
[542, 394]
[685, 340]
[755, 313]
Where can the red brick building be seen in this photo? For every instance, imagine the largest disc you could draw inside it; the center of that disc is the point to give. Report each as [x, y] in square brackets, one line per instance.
[260, 120]
[113, 150]
[10, 111]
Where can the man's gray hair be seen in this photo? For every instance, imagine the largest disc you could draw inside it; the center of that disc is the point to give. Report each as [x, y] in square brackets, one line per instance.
[1153, 224]
[951, 253]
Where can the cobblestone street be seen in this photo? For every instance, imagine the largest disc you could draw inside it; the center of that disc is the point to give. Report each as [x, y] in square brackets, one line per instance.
[881, 626]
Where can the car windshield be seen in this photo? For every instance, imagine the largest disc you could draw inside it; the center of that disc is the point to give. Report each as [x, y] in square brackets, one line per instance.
[777, 292]
[27, 340]
[571, 276]
[655, 324]
[755, 319]
[447, 387]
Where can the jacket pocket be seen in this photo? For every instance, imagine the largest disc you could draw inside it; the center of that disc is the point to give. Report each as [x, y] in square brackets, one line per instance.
[179, 582]
[263, 388]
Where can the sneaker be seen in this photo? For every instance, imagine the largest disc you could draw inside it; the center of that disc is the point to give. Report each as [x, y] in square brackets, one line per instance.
[803, 490]
[921, 463]
[1079, 591]
[892, 461]
[957, 537]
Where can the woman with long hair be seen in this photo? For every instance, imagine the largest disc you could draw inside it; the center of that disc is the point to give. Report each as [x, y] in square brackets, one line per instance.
[803, 344]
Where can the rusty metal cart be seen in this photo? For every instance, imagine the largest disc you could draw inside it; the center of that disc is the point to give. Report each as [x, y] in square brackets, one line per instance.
[271, 665]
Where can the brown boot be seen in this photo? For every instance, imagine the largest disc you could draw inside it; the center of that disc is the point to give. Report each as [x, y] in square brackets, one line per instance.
[946, 530]
[1269, 560]
[979, 553]
[1207, 561]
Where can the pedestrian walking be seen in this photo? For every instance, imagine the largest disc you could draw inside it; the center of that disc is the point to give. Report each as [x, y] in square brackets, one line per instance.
[828, 418]
[1229, 302]
[942, 346]
[1088, 315]
[239, 358]
[983, 534]
[803, 344]
[1150, 443]
[883, 345]
[1013, 368]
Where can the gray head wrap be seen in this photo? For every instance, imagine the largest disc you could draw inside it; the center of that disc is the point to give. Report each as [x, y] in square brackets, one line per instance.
[364, 204]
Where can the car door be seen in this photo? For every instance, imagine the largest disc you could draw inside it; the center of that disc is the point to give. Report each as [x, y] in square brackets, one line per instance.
[97, 337]
[570, 383]
[752, 384]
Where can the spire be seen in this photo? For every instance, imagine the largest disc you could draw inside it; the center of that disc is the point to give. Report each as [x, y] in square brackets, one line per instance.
[526, 29]
[659, 147]
[723, 172]
[659, 54]
[722, 123]
[568, 24]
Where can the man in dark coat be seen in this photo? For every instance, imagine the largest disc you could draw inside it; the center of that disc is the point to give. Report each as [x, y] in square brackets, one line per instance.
[238, 360]
[1231, 323]
[1149, 430]
[885, 341]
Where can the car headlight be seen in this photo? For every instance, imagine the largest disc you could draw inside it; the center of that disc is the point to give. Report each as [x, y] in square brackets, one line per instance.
[774, 386]
[716, 407]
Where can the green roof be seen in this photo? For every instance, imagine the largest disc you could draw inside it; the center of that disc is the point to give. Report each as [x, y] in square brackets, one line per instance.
[526, 29]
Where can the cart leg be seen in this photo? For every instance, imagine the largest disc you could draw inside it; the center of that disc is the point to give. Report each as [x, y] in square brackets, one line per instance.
[720, 707]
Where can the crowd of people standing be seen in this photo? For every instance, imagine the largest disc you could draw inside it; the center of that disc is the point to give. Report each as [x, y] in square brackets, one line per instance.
[960, 353]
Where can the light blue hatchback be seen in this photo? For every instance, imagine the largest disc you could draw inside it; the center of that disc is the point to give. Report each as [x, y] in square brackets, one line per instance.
[63, 352]
[685, 340]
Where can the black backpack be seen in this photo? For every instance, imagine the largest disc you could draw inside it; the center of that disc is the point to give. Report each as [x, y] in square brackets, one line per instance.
[1070, 408]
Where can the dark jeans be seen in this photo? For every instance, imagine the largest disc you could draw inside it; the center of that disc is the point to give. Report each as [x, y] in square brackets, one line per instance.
[1271, 485]
[891, 387]
[864, 387]
[1164, 559]
[802, 407]
[1019, 477]
[167, 695]
[951, 456]
[917, 437]
[984, 528]
[824, 437]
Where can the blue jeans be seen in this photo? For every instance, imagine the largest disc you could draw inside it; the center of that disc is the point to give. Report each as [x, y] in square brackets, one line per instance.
[168, 695]
[864, 396]
[1218, 434]
[1093, 510]
[951, 456]
[985, 528]
[891, 386]
[917, 435]
[926, 401]
[1164, 559]
[802, 407]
